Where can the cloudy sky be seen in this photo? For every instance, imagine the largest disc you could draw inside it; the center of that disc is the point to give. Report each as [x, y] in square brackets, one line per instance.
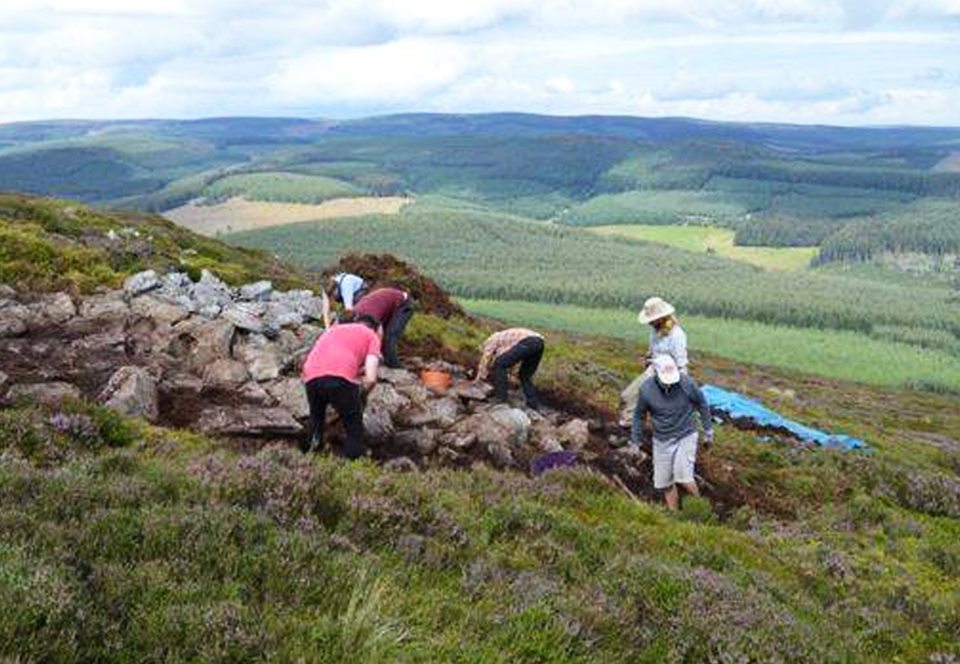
[851, 62]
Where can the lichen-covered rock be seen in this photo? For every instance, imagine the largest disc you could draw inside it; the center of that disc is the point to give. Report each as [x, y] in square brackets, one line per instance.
[289, 395]
[441, 413]
[210, 295]
[460, 440]
[160, 310]
[50, 393]
[13, 320]
[471, 391]
[377, 426]
[248, 421]
[385, 397]
[104, 309]
[225, 374]
[248, 316]
[495, 425]
[501, 454]
[257, 291]
[52, 309]
[141, 282]
[207, 341]
[422, 442]
[575, 434]
[132, 391]
[262, 357]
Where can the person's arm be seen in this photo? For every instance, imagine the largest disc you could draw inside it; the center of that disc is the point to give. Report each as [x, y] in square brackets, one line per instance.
[484, 367]
[680, 350]
[639, 415]
[370, 368]
[706, 417]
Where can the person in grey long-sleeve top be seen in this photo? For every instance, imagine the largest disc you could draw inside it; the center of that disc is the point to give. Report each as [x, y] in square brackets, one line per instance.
[672, 399]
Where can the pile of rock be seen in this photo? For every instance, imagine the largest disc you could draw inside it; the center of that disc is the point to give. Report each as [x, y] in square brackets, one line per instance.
[461, 424]
[225, 361]
[168, 349]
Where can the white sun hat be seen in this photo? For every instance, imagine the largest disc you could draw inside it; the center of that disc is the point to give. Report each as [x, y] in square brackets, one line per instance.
[654, 309]
[666, 368]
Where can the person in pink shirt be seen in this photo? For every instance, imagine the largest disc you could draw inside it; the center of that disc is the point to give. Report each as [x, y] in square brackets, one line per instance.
[332, 376]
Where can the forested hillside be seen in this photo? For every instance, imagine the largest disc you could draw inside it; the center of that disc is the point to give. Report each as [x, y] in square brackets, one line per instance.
[776, 185]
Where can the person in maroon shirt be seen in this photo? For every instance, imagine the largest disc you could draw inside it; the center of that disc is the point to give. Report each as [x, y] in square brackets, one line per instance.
[393, 308]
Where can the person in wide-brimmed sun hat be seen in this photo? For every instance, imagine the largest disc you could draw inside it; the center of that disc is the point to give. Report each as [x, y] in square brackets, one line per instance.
[666, 338]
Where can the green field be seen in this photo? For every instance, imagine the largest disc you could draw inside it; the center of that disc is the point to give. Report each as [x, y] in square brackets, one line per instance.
[843, 355]
[490, 256]
[281, 187]
[711, 239]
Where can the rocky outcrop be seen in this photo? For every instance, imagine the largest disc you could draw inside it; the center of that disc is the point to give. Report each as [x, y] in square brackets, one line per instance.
[225, 361]
[132, 391]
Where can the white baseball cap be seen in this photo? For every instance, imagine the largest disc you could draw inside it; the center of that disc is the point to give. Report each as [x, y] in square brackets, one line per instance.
[666, 369]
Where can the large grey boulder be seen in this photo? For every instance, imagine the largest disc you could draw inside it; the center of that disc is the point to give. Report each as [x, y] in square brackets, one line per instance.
[503, 423]
[544, 435]
[161, 310]
[105, 309]
[396, 376]
[257, 291]
[440, 413]
[210, 295]
[248, 316]
[141, 282]
[52, 309]
[421, 441]
[302, 302]
[206, 341]
[224, 374]
[289, 394]
[132, 391]
[471, 391]
[248, 421]
[13, 320]
[262, 357]
[378, 426]
[386, 397]
[50, 393]
[575, 434]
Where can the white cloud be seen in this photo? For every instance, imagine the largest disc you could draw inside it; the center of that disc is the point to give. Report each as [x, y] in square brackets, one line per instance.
[853, 61]
[398, 72]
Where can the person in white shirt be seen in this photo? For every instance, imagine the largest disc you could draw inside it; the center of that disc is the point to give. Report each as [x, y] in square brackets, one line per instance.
[666, 338]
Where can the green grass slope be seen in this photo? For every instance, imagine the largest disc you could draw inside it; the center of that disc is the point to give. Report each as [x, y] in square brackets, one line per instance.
[124, 542]
[481, 255]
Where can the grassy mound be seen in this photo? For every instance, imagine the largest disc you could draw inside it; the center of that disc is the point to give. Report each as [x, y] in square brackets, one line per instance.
[55, 245]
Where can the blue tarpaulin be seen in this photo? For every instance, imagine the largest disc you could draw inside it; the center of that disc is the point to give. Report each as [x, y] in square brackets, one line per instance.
[738, 407]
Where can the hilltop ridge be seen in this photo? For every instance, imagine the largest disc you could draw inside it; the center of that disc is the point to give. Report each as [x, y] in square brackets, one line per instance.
[172, 540]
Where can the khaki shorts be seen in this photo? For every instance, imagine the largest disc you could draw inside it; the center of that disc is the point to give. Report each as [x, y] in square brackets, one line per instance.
[673, 461]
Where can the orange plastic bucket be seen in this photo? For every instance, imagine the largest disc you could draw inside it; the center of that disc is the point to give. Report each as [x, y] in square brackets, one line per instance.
[438, 381]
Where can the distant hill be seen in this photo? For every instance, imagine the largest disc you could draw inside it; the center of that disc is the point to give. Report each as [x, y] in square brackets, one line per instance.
[774, 184]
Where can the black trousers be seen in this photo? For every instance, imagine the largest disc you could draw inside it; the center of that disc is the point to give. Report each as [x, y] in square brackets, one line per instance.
[393, 330]
[528, 353]
[344, 396]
